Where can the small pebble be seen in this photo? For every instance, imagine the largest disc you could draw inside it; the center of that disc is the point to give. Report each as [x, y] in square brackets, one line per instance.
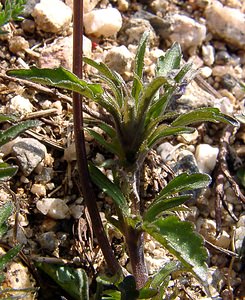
[54, 208]
[208, 54]
[19, 105]
[47, 19]
[206, 156]
[103, 22]
[38, 189]
[48, 241]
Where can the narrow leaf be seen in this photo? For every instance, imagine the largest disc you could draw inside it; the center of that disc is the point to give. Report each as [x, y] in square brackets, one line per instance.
[170, 61]
[112, 147]
[139, 65]
[182, 72]
[8, 257]
[5, 117]
[162, 204]
[164, 131]
[59, 77]
[5, 212]
[204, 114]
[73, 281]
[181, 240]
[109, 188]
[7, 171]
[185, 182]
[148, 94]
[13, 131]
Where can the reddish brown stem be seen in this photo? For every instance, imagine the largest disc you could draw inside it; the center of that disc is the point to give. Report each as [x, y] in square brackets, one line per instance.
[85, 181]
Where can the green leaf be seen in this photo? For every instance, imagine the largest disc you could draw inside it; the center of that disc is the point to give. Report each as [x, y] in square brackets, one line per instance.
[170, 61]
[7, 171]
[241, 176]
[5, 212]
[182, 72]
[61, 78]
[162, 204]
[73, 281]
[111, 295]
[185, 182]
[148, 94]
[139, 65]
[8, 257]
[204, 114]
[109, 188]
[181, 240]
[12, 10]
[147, 293]
[114, 147]
[164, 131]
[5, 117]
[13, 131]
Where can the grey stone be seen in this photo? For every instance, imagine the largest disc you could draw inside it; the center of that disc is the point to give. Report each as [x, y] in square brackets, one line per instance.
[48, 241]
[29, 153]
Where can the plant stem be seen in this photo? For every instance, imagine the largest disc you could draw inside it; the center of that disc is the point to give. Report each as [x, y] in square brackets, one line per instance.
[85, 181]
[135, 244]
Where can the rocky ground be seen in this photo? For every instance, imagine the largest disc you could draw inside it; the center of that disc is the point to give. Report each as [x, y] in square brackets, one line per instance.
[52, 218]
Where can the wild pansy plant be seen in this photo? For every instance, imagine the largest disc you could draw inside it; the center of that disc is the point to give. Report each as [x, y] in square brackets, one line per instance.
[137, 119]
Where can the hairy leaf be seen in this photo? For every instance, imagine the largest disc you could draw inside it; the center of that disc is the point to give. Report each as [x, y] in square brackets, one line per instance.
[204, 114]
[13, 131]
[180, 239]
[162, 204]
[170, 61]
[73, 281]
[5, 212]
[5, 117]
[61, 78]
[113, 147]
[185, 182]
[139, 65]
[163, 131]
[8, 257]
[7, 171]
[148, 94]
[109, 188]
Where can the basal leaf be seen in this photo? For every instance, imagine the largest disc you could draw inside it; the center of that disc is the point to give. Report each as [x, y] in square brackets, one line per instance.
[185, 182]
[163, 131]
[73, 281]
[5, 117]
[13, 131]
[111, 295]
[139, 65]
[182, 72]
[128, 288]
[7, 171]
[204, 114]
[109, 188]
[180, 239]
[170, 61]
[148, 94]
[61, 78]
[8, 257]
[162, 204]
[5, 212]
[113, 147]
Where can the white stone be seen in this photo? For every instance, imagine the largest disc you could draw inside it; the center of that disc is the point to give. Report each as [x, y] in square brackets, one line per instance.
[76, 211]
[186, 31]
[19, 105]
[119, 59]
[205, 72]
[52, 16]
[224, 105]
[54, 208]
[38, 189]
[208, 54]
[103, 22]
[227, 23]
[206, 156]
